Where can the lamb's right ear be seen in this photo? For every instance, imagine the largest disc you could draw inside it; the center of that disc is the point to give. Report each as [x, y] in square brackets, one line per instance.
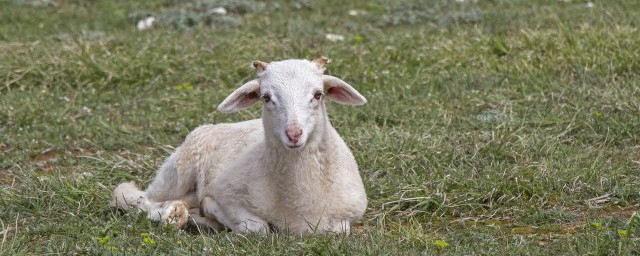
[241, 98]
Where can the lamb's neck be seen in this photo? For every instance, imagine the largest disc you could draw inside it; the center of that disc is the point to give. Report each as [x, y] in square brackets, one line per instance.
[300, 174]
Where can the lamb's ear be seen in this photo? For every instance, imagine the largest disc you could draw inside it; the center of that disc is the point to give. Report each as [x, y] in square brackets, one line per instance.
[341, 92]
[241, 98]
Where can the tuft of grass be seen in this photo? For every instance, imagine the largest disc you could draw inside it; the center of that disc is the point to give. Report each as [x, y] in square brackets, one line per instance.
[493, 127]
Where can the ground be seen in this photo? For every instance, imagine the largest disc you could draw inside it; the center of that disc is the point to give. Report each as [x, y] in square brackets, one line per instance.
[492, 127]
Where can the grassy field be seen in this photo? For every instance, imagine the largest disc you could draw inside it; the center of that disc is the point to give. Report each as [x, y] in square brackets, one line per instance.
[493, 126]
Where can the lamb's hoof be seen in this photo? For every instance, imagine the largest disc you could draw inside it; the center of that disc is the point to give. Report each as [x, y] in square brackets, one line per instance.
[199, 221]
[175, 213]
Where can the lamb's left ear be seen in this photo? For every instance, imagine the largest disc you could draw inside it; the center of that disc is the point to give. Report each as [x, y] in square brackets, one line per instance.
[241, 98]
[341, 92]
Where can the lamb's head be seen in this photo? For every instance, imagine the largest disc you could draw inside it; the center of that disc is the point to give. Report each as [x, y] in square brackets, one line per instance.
[292, 92]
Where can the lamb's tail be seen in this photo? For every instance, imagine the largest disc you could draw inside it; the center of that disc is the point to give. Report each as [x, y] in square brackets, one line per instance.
[127, 196]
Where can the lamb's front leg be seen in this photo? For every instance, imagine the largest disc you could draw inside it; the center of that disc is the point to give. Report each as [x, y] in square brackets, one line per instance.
[235, 217]
[127, 196]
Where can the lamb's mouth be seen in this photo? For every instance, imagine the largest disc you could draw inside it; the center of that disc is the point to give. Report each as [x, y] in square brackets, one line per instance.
[294, 146]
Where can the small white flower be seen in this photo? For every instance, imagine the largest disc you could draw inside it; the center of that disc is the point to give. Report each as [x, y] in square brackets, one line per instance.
[334, 37]
[218, 10]
[146, 23]
[589, 5]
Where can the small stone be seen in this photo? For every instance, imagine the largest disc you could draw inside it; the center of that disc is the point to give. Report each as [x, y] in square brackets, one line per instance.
[146, 23]
[334, 37]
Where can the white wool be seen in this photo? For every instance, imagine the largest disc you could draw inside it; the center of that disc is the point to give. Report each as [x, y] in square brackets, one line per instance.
[289, 170]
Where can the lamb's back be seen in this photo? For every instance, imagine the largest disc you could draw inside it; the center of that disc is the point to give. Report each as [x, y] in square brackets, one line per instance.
[208, 147]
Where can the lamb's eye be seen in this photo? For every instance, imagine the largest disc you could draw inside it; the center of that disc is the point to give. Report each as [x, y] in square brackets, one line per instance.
[318, 95]
[266, 98]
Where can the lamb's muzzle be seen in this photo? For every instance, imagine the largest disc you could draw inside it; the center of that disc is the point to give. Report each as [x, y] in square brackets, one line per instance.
[293, 133]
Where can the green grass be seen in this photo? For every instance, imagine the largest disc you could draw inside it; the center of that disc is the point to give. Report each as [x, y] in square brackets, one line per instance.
[493, 127]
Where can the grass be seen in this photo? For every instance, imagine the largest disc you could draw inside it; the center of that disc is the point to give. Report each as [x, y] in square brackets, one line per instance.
[493, 127]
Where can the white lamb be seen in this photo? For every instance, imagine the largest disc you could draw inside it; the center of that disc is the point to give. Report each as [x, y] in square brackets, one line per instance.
[288, 171]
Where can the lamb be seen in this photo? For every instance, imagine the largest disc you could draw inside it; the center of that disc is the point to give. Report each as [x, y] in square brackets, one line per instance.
[288, 171]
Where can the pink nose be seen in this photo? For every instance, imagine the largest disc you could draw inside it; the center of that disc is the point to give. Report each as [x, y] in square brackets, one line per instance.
[293, 133]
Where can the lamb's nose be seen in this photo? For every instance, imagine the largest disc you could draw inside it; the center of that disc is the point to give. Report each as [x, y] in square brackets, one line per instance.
[293, 133]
